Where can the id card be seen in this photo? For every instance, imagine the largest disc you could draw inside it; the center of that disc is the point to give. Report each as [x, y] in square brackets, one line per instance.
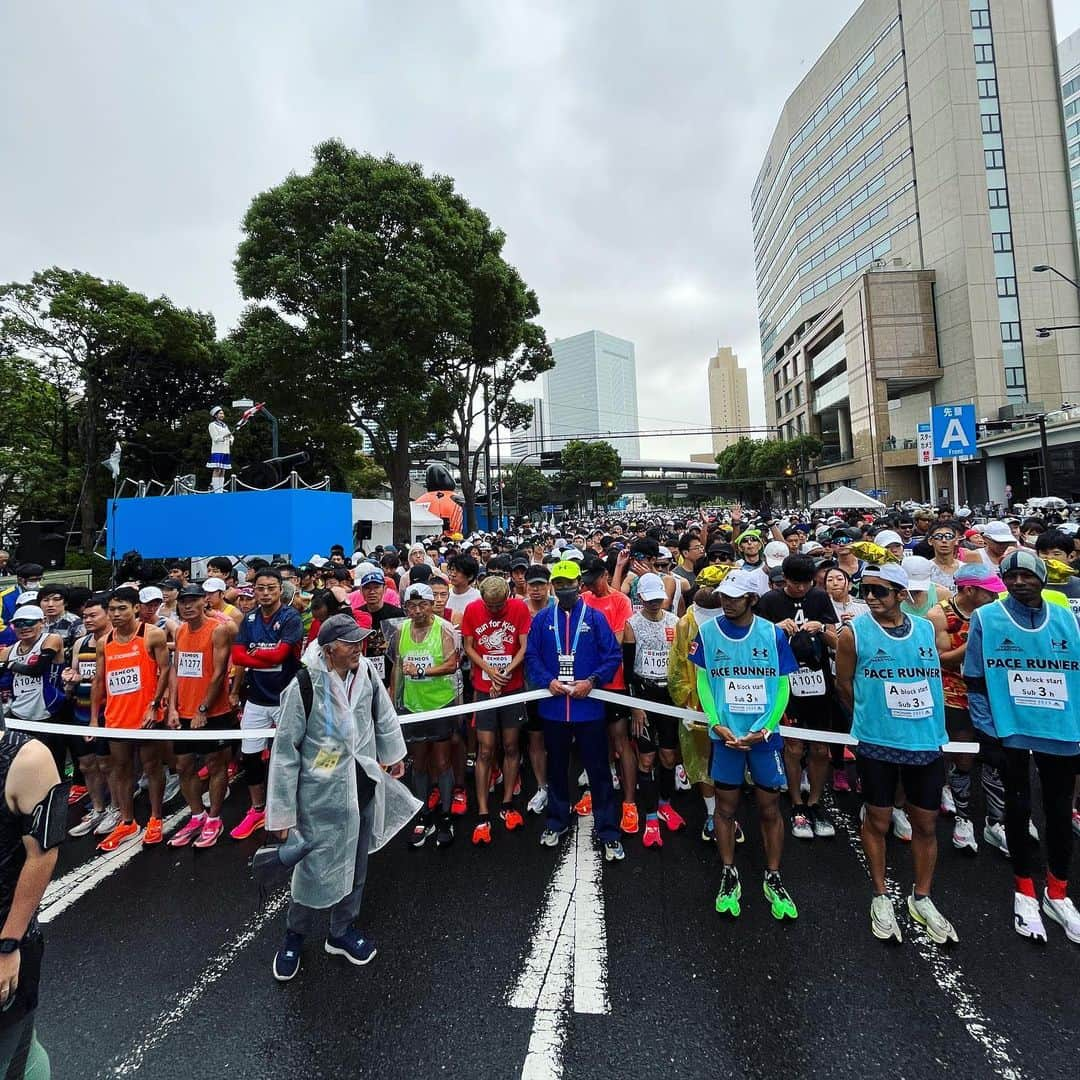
[327, 757]
[566, 668]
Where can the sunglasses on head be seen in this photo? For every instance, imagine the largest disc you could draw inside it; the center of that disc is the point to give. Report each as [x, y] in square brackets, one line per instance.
[878, 591]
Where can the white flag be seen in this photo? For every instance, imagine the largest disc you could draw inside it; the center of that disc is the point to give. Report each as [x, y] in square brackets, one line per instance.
[112, 462]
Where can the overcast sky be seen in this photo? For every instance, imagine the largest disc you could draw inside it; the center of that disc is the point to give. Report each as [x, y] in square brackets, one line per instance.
[616, 143]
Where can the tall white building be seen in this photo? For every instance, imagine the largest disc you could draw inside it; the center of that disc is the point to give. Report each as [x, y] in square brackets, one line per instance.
[592, 391]
[1069, 65]
[531, 440]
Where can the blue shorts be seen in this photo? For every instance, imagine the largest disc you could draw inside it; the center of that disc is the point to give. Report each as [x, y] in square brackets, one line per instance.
[765, 761]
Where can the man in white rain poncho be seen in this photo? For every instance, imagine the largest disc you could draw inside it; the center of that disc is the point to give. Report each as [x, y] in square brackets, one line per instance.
[326, 783]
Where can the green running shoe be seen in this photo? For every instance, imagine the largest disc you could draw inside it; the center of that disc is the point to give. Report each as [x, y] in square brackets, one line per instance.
[727, 899]
[783, 907]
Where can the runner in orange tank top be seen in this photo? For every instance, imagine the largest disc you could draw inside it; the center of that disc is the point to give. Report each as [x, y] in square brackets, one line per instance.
[199, 699]
[129, 688]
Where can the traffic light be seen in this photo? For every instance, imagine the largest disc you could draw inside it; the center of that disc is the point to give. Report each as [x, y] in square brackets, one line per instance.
[1027, 477]
[789, 471]
[551, 459]
[609, 483]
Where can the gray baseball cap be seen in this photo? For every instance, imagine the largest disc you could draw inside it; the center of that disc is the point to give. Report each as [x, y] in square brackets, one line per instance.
[341, 628]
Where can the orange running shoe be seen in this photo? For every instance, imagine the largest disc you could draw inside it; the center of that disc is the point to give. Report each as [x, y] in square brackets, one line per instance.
[583, 807]
[482, 833]
[629, 823]
[122, 834]
[511, 819]
[153, 831]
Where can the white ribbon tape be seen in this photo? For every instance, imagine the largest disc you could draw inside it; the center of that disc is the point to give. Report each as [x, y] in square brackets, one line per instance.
[688, 716]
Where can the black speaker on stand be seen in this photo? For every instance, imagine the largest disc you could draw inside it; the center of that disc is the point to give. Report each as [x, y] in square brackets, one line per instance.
[41, 542]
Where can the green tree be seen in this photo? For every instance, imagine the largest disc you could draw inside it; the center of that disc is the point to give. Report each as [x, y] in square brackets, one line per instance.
[365, 479]
[528, 487]
[85, 329]
[363, 274]
[584, 462]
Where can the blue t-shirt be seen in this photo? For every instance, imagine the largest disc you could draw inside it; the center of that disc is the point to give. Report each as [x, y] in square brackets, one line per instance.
[264, 685]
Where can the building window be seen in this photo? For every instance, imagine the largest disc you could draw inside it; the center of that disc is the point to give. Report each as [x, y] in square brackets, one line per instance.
[1014, 378]
[984, 54]
[794, 367]
[999, 198]
[1002, 242]
[980, 20]
[787, 402]
[987, 87]
[1006, 286]
[1010, 331]
[991, 123]
[994, 159]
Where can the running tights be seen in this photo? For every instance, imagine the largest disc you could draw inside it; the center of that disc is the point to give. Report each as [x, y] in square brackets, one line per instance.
[1056, 776]
[254, 769]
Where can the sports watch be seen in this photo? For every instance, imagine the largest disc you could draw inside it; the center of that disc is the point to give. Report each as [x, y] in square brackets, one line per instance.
[9, 945]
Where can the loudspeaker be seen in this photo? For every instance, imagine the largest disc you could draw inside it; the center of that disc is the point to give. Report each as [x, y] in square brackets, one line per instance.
[41, 542]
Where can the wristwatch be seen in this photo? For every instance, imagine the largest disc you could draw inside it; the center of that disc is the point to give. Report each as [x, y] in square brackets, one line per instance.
[203, 709]
[9, 945]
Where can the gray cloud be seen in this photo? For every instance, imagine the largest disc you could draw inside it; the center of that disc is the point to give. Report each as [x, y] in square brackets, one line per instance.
[616, 143]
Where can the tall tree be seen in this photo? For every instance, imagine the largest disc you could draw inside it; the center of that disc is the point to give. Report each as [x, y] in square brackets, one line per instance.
[528, 487]
[583, 462]
[86, 329]
[363, 275]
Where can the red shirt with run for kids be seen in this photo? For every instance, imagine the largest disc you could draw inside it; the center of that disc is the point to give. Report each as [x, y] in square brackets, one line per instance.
[497, 636]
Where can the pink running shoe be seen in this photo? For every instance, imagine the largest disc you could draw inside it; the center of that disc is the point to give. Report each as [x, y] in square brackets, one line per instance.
[192, 827]
[253, 819]
[651, 837]
[840, 781]
[211, 830]
[670, 817]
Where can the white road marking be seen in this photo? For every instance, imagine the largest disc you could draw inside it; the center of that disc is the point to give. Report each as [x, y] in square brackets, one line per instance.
[132, 1060]
[961, 995]
[64, 891]
[566, 966]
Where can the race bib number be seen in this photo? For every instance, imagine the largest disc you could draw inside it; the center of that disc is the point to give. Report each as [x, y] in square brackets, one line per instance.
[421, 664]
[123, 681]
[652, 664]
[909, 700]
[327, 758]
[379, 664]
[499, 663]
[566, 667]
[1038, 690]
[745, 695]
[87, 670]
[1074, 604]
[807, 683]
[23, 684]
[189, 665]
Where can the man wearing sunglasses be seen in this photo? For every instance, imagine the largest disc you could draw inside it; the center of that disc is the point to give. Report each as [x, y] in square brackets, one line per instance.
[889, 675]
[846, 559]
[1022, 669]
[30, 669]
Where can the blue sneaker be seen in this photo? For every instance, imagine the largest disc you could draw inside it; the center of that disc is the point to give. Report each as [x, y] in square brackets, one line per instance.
[287, 960]
[354, 947]
[708, 829]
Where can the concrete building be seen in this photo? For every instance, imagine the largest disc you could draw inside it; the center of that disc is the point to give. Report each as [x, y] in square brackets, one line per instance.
[1069, 64]
[915, 177]
[530, 440]
[592, 391]
[729, 402]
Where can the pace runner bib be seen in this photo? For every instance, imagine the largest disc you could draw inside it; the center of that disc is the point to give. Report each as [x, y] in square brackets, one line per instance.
[1038, 690]
[745, 695]
[909, 700]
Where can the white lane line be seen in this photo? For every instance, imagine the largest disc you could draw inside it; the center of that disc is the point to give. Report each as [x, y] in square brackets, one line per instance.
[132, 1060]
[566, 966]
[961, 995]
[65, 890]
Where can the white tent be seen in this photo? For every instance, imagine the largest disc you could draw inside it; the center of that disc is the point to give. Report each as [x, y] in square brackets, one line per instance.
[845, 498]
[380, 512]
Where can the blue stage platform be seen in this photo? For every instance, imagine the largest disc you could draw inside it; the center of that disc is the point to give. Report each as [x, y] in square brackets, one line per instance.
[286, 522]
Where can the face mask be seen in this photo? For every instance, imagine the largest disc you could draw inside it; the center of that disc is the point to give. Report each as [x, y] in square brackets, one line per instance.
[567, 598]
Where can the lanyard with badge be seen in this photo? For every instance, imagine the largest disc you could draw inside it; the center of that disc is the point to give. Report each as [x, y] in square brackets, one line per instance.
[330, 752]
[566, 659]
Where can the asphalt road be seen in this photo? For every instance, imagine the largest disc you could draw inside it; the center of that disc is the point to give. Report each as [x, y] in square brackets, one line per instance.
[161, 969]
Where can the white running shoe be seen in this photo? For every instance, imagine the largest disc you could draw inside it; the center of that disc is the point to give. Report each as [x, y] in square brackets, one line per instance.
[925, 914]
[108, 822]
[883, 919]
[538, 803]
[948, 803]
[963, 835]
[1064, 913]
[1026, 918]
[682, 783]
[583, 779]
[901, 826]
[994, 835]
[89, 823]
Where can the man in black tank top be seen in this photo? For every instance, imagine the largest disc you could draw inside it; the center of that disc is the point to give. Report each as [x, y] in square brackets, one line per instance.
[33, 819]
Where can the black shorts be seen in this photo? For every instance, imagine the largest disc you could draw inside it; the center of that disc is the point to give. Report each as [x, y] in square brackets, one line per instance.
[222, 722]
[614, 713]
[819, 713]
[533, 721]
[660, 731]
[922, 783]
[437, 730]
[958, 722]
[60, 746]
[509, 717]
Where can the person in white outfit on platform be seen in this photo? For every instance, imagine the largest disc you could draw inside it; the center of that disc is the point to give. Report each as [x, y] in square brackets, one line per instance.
[220, 461]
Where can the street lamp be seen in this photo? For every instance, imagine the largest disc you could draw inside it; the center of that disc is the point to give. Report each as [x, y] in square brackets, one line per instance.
[1043, 269]
[1046, 331]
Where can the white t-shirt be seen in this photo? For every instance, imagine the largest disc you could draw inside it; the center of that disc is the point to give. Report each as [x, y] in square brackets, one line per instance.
[460, 601]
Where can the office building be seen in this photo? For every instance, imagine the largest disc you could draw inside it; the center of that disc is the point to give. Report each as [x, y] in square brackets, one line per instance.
[916, 176]
[526, 443]
[591, 392]
[729, 402]
[1069, 64]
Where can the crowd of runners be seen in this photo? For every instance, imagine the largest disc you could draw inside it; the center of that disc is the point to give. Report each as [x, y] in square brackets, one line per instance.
[907, 631]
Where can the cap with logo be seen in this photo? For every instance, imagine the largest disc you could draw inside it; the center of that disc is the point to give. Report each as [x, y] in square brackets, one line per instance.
[776, 551]
[738, 583]
[564, 568]
[372, 576]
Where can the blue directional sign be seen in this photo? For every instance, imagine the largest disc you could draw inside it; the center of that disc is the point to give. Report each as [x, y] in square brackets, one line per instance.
[953, 429]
